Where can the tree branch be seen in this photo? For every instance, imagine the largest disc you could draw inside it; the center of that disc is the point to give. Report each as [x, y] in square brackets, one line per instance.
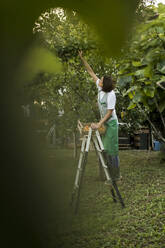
[152, 125]
[161, 116]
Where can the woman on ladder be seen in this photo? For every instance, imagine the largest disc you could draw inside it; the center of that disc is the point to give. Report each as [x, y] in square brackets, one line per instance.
[106, 103]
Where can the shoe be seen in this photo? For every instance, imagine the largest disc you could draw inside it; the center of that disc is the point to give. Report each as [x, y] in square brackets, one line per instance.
[108, 182]
[119, 180]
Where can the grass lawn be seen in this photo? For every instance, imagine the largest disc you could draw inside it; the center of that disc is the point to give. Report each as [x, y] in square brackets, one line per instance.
[100, 222]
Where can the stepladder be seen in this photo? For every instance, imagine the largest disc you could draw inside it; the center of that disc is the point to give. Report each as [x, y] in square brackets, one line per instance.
[91, 136]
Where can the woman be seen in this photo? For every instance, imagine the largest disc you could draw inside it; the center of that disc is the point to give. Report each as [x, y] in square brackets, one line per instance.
[106, 103]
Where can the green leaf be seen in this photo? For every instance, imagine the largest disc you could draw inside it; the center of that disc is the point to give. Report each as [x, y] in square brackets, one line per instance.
[124, 80]
[160, 30]
[148, 71]
[130, 95]
[131, 105]
[150, 101]
[137, 98]
[161, 80]
[147, 82]
[132, 89]
[162, 106]
[161, 67]
[141, 79]
[161, 8]
[140, 73]
[125, 66]
[136, 63]
[153, 54]
[149, 92]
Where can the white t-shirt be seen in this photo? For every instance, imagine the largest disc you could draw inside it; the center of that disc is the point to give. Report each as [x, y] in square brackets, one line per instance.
[111, 99]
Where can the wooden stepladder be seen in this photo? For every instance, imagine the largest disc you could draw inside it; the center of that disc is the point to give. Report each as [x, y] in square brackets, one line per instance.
[94, 137]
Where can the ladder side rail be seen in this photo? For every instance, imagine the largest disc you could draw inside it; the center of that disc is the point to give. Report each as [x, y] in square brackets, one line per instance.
[80, 161]
[84, 161]
[101, 146]
[101, 158]
[88, 139]
[99, 140]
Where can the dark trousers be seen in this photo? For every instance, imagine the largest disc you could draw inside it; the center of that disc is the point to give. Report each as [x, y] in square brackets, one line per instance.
[113, 166]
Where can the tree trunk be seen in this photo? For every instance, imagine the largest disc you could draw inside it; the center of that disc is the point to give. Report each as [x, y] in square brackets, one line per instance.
[54, 136]
[162, 153]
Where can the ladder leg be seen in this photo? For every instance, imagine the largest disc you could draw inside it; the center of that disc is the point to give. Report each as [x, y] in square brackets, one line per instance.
[118, 193]
[101, 171]
[99, 152]
[84, 162]
[115, 187]
[102, 158]
[113, 195]
[79, 169]
[80, 183]
[100, 149]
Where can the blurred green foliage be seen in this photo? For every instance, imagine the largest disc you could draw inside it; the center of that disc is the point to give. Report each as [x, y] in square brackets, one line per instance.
[38, 60]
[110, 19]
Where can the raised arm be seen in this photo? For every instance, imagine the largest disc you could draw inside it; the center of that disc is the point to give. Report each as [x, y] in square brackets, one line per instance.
[88, 68]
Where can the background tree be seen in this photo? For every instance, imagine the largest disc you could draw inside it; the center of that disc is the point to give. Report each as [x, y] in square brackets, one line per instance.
[64, 34]
[143, 67]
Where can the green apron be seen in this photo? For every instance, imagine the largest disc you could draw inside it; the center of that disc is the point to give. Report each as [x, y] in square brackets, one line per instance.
[110, 140]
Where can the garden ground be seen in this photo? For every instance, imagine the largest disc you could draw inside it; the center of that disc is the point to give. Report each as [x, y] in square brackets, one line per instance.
[100, 222]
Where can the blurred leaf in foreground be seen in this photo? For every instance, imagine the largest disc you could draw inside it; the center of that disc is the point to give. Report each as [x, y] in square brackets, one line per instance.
[37, 60]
